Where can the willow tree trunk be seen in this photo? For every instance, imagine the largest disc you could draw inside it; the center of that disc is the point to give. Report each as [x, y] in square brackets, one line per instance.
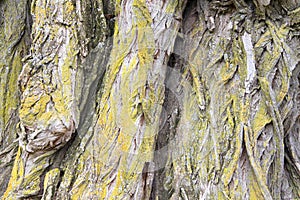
[140, 99]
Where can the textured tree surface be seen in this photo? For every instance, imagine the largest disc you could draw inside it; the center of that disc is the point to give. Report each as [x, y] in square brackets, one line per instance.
[150, 99]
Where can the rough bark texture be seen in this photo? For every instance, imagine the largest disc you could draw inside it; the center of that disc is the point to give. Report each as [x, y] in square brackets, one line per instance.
[15, 28]
[140, 99]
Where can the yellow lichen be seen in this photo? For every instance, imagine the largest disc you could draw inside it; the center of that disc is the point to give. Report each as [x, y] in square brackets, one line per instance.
[261, 119]
[16, 176]
[69, 7]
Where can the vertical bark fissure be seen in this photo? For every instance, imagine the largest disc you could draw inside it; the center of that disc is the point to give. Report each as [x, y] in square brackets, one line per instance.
[169, 119]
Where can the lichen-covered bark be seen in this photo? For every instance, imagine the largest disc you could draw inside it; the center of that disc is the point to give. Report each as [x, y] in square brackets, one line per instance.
[235, 138]
[14, 40]
[138, 99]
[117, 161]
[63, 34]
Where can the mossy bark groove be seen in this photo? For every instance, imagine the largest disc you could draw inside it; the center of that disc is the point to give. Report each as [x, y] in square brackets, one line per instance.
[139, 99]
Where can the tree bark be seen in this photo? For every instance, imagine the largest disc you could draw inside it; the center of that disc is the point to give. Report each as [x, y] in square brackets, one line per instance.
[15, 31]
[138, 99]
